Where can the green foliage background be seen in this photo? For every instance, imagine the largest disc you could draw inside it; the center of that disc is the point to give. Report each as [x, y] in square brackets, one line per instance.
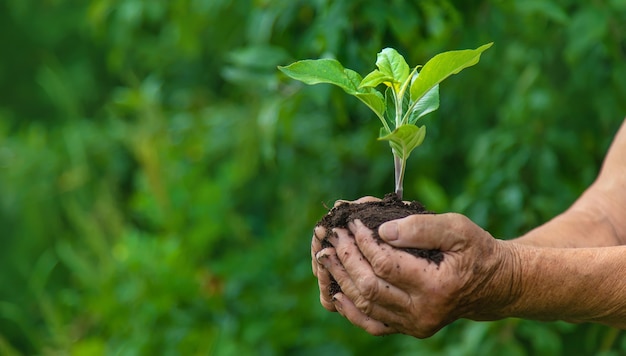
[160, 179]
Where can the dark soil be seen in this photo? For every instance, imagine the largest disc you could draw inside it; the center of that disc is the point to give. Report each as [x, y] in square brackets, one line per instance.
[373, 214]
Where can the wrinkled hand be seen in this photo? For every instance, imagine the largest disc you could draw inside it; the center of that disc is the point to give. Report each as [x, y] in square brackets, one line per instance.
[322, 275]
[386, 290]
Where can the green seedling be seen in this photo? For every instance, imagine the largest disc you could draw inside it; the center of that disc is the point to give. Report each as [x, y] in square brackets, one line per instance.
[408, 94]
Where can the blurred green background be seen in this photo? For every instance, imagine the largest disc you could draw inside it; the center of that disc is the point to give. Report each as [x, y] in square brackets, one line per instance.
[160, 179]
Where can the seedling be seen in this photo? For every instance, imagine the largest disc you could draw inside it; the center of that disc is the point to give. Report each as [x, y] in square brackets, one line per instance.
[408, 94]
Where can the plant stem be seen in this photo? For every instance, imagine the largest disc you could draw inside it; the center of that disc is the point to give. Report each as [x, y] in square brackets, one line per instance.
[398, 104]
[399, 165]
[398, 161]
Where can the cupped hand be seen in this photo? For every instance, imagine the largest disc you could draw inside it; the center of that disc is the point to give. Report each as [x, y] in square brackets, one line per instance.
[323, 277]
[386, 290]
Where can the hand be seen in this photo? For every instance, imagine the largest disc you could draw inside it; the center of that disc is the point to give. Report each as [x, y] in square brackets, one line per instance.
[386, 290]
[322, 275]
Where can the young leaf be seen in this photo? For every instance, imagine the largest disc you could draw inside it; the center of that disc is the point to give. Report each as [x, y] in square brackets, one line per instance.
[392, 65]
[427, 104]
[442, 66]
[390, 107]
[404, 139]
[369, 96]
[375, 101]
[316, 71]
[375, 78]
[326, 70]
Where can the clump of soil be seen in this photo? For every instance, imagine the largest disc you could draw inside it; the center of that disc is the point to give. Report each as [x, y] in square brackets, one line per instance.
[373, 214]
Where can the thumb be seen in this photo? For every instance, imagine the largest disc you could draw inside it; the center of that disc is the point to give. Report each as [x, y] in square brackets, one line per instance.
[413, 231]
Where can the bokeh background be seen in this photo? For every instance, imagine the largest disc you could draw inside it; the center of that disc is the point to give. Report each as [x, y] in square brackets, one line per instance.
[160, 179]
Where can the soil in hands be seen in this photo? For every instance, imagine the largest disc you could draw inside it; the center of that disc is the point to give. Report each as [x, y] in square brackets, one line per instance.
[373, 214]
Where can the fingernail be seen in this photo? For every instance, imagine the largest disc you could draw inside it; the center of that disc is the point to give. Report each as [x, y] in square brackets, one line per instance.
[333, 234]
[322, 257]
[319, 232]
[388, 231]
[340, 202]
[352, 225]
[337, 303]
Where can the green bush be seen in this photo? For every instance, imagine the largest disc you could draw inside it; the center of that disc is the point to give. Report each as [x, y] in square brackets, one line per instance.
[159, 179]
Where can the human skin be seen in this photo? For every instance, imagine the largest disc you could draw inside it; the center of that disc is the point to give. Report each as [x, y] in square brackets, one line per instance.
[571, 268]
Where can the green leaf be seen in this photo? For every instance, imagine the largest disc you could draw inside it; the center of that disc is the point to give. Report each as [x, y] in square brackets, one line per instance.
[391, 64]
[442, 66]
[375, 78]
[355, 79]
[427, 104]
[315, 71]
[405, 139]
[375, 101]
[330, 71]
[369, 96]
[390, 107]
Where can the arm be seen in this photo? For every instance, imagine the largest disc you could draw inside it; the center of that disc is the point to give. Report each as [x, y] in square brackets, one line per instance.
[596, 218]
[575, 285]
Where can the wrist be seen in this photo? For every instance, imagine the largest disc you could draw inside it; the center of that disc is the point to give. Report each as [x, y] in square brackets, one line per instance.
[532, 282]
[501, 286]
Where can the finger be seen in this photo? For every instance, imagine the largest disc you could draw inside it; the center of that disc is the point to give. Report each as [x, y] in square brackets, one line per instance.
[328, 259]
[316, 246]
[324, 279]
[340, 202]
[314, 267]
[423, 231]
[346, 308]
[370, 287]
[364, 199]
[319, 233]
[386, 262]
